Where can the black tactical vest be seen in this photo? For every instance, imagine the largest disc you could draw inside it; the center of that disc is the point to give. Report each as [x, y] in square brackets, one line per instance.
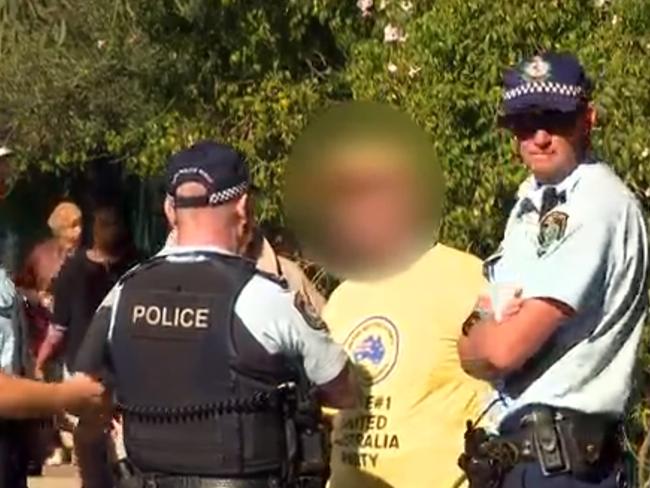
[196, 389]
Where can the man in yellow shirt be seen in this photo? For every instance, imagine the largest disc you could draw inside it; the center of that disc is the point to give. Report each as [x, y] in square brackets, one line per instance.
[364, 193]
[401, 333]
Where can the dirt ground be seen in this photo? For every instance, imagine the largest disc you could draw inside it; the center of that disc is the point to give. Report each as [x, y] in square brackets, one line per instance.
[59, 477]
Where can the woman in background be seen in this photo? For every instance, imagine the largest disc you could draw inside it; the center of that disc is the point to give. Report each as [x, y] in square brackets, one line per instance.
[35, 282]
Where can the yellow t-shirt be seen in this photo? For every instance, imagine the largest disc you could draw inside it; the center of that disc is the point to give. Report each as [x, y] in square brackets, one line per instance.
[401, 332]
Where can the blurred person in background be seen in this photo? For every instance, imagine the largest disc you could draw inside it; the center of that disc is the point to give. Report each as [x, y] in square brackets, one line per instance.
[22, 398]
[83, 282]
[35, 283]
[36, 278]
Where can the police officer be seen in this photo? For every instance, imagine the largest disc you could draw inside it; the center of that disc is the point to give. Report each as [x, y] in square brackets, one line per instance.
[204, 348]
[22, 398]
[574, 257]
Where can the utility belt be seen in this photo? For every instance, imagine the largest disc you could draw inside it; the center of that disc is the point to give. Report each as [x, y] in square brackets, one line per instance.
[129, 477]
[306, 460]
[562, 441]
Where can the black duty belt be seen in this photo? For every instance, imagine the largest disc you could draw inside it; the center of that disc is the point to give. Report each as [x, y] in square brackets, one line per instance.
[562, 441]
[196, 482]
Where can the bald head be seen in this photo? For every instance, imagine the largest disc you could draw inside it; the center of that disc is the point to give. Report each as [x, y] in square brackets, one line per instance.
[220, 225]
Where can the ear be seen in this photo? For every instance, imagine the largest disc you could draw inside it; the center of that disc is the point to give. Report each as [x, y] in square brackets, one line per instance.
[242, 207]
[170, 212]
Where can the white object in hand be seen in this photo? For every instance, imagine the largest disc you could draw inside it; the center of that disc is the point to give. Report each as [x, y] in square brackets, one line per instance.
[500, 295]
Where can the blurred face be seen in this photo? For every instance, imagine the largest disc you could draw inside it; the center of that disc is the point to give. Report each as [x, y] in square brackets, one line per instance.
[70, 232]
[372, 214]
[551, 143]
[108, 229]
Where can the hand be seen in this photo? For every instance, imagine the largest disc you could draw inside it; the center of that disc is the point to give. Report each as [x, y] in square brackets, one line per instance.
[82, 392]
[39, 373]
[46, 300]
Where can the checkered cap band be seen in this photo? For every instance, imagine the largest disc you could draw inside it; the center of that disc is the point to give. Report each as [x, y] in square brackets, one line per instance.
[549, 87]
[228, 194]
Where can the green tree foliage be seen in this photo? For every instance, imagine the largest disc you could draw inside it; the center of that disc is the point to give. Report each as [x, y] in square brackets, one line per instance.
[136, 80]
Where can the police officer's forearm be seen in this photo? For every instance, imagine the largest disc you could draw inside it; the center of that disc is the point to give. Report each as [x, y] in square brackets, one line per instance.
[23, 398]
[473, 363]
[492, 349]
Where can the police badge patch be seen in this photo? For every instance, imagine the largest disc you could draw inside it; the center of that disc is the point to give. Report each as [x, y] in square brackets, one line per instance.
[308, 312]
[551, 229]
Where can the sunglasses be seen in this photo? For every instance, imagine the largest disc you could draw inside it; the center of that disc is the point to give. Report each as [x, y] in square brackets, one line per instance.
[553, 122]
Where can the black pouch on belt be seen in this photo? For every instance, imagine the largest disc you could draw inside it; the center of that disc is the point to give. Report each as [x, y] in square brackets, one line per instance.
[593, 443]
[564, 441]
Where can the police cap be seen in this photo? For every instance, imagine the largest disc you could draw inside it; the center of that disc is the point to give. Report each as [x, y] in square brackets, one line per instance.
[551, 81]
[221, 169]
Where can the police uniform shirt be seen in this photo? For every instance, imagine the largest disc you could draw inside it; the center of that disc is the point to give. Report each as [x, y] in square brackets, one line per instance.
[589, 252]
[265, 308]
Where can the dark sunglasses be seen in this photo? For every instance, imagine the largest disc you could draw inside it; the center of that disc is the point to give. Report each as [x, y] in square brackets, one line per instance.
[553, 122]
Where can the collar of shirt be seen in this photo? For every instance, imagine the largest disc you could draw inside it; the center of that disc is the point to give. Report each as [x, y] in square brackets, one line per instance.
[530, 195]
[268, 259]
[176, 249]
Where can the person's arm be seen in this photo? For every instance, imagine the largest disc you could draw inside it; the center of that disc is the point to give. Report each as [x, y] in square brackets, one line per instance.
[325, 362]
[285, 325]
[49, 348]
[22, 398]
[491, 349]
[343, 391]
[63, 287]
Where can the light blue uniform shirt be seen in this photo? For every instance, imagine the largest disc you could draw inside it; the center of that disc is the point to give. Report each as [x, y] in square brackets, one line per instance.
[590, 252]
[7, 335]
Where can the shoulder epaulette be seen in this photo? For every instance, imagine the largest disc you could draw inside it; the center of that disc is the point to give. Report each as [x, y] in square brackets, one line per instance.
[279, 280]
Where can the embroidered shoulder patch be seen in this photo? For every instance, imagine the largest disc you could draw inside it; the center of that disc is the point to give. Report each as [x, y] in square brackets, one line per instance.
[308, 312]
[551, 229]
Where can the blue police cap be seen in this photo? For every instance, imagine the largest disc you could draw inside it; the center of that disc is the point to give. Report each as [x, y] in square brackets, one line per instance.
[221, 169]
[550, 81]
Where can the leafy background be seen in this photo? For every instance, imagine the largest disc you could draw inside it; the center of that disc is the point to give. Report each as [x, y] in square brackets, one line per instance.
[97, 91]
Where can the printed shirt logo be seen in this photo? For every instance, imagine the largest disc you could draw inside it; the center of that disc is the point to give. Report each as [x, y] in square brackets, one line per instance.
[373, 345]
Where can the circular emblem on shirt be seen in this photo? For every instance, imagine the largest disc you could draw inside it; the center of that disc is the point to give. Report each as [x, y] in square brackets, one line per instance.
[373, 345]
[551, 229]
